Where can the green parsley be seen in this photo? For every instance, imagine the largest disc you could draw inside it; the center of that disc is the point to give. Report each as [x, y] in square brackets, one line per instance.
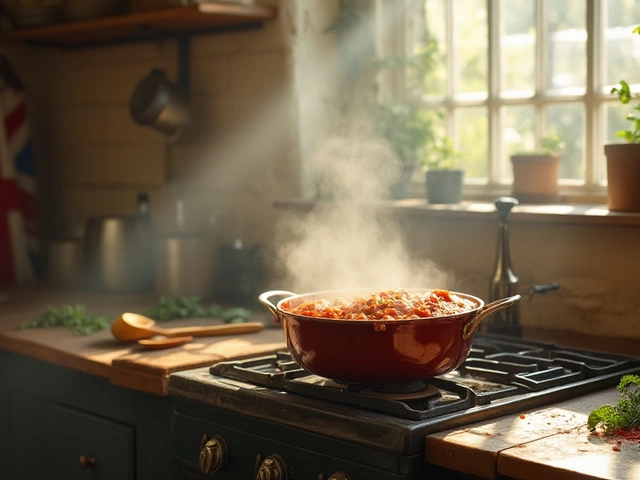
[69, 316]
[190, 307]
[626, 414]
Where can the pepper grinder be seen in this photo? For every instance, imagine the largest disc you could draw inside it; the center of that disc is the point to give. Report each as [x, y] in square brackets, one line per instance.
[504, 282]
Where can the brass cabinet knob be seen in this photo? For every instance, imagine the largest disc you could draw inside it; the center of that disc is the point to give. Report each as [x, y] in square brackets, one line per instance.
[213, 454]
[272, 468]
[86, 461]
[339, 476]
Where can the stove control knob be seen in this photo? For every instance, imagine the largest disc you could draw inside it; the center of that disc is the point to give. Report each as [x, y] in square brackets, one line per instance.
[272, 468]
[339, 476]
[213, 454]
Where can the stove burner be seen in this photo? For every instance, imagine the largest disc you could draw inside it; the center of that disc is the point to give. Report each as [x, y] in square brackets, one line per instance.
[407, 387]
[425, 392]
[499, 372]
[392, 391]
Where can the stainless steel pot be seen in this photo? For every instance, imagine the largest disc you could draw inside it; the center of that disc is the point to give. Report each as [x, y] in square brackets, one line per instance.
[184, 266]
[119, 252]
[65, 262]
[158, 104]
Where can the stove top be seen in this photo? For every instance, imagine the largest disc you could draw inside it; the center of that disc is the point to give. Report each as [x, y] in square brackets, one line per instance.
[502, 375]
[496, 368]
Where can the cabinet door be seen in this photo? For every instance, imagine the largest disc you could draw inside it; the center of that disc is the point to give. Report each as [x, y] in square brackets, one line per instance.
[30, 435]
[47, 441]
[85, 446]
[5, 454]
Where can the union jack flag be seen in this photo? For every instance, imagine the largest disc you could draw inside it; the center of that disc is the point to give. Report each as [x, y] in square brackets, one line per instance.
[19, 234]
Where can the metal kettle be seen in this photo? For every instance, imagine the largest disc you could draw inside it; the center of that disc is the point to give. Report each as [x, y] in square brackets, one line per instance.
[119, 251]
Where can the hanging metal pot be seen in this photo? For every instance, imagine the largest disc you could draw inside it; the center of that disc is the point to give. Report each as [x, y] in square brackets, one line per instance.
[157, 103]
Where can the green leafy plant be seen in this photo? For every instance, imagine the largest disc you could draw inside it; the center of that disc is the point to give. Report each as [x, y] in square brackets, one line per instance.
[626, 414]
[624, 94]
[407, 128]
[189, 307]
[69, 316]
[442, 155]
[552, 144]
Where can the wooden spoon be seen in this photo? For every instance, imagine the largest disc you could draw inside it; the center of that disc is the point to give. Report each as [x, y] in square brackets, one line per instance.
[133, 326]
[164, 342]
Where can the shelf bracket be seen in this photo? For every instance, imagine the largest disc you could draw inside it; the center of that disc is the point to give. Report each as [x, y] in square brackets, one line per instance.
[184, 62]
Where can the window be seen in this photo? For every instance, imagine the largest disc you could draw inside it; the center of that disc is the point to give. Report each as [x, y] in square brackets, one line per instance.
[508, 72]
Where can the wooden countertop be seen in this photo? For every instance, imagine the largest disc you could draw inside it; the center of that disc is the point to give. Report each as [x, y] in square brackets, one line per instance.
[549, 442]
[127, 365]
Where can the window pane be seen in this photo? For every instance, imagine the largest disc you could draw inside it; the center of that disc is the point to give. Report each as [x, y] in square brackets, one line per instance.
[427, 36]
[472, 133]
[616, 120]
[567, 45]
[517, 45]
[622, 47]
[518, 136]
[471, 40]
[567, 121]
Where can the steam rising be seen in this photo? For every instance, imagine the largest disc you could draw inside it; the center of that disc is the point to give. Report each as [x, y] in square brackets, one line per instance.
[346, 242]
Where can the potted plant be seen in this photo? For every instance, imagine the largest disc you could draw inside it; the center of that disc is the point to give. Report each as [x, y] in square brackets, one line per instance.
[444, 175]
[623, 159]
[535, 174]
[408, 130]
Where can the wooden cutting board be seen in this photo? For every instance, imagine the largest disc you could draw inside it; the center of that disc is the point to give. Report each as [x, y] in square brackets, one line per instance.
[549, 442]
[127, 365]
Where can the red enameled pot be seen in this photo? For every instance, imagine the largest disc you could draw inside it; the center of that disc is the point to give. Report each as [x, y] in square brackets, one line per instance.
[388, 351]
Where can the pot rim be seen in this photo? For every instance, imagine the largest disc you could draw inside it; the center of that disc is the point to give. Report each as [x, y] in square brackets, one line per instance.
[611, 147]
[332, 294]
[535, 158]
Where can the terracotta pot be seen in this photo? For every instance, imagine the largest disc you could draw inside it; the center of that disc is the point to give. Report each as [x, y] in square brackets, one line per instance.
[535, 177]
[388, 351]
[444, 186]
[623, 175]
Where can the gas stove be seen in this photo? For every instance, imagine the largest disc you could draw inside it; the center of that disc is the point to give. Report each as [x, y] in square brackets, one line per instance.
[267, 418]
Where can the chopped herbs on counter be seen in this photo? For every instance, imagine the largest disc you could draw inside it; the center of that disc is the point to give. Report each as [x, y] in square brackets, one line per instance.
[83, 323]
[186, 307]
[624, 415]
[72, 317]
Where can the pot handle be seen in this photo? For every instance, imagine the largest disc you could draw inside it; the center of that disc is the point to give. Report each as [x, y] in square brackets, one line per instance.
[470, 327]
[265, 299]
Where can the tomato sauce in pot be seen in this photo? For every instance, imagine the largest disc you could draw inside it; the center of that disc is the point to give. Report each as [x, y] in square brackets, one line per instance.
[397, 304]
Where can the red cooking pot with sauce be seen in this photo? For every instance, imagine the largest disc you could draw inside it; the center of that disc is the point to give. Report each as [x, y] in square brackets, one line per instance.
[378, 351]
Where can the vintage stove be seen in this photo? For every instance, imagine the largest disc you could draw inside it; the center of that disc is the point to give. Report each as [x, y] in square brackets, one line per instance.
[265, 418]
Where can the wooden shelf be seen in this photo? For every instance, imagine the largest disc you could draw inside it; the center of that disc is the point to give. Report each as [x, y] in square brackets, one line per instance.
[202, 17]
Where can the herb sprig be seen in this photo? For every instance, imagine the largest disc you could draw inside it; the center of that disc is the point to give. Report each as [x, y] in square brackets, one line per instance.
[186, 307]
[626, 414]
[72, 317]
[76, 318]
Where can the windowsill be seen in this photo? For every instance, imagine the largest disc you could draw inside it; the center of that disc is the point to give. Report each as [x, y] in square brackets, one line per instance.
[561, 213]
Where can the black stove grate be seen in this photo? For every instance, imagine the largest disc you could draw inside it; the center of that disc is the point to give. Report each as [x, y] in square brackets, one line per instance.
[497, 368]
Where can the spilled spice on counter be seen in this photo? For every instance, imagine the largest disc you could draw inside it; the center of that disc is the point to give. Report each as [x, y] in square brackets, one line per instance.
[629, 434]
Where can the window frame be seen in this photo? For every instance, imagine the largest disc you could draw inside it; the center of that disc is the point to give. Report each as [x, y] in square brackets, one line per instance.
[594, 99]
